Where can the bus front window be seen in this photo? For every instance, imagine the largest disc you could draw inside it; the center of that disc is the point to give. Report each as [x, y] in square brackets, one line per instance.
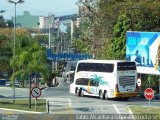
[121, 66]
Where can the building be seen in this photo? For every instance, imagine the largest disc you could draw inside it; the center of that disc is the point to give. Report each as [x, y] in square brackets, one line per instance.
[26, 20]
[45, 22]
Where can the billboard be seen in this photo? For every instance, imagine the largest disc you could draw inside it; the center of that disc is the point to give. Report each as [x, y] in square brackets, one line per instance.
[144, 49]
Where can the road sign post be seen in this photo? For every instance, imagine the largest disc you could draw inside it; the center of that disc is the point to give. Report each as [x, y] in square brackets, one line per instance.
[36, 92]
[149, 94]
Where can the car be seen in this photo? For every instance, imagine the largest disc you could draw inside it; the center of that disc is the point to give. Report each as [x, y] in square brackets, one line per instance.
[8, 83]
[156, 96]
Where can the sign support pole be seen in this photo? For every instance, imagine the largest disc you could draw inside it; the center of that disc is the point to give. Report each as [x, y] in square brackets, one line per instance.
[30, 91]
[149, 94]
[159, 87]
[36, 92]
[149, 82]
[35, 103]
[149, 106]
[149, 87]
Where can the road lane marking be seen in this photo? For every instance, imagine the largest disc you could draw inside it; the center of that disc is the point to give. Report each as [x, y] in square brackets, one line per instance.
[70, 103]
[91, 106]
[115, 107]
[130, 111]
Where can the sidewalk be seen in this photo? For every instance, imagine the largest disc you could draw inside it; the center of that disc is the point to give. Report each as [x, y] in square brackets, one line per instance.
[15, 111]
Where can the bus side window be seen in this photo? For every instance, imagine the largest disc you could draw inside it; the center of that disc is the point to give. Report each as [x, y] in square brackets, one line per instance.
[79, 67]
[103, 68]
[82, 81]
[97, 84]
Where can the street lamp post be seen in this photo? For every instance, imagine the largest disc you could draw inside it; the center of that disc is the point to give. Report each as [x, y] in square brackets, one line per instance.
[15, 3]
[50, 22]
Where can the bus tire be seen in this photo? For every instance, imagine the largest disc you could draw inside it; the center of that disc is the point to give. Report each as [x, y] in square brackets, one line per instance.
[106, 95]
[82, 93]
[101, 95]
[76, 91]
[79, 92]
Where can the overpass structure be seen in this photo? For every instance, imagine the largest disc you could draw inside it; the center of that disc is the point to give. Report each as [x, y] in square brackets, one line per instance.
[52, 25]
[68, 19]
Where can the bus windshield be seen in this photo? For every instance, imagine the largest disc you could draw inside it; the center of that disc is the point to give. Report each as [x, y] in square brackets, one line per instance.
[96, 67]
[126, 66]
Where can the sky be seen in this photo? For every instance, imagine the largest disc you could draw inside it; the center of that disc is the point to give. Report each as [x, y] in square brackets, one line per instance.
[39, 7]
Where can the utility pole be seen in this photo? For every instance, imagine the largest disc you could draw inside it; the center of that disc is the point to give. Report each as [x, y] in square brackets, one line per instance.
[15, 3]
[50, 23]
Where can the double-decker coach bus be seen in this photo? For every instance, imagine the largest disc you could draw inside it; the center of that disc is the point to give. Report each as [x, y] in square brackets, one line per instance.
[105, 79]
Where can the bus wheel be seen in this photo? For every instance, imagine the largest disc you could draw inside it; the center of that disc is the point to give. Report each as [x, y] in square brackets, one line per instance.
[106, 95]
[76, 91]
[79, 92]
[101, 96]
[82, 93]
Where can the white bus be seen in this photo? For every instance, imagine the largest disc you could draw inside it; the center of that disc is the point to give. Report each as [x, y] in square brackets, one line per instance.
[105, 79]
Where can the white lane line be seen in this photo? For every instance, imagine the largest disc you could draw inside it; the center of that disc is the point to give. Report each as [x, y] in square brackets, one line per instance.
[115, 107]
[130, 111]
[92, 106]
[70, 103]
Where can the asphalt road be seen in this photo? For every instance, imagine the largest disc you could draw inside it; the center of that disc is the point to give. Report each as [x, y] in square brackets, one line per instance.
[63, 103]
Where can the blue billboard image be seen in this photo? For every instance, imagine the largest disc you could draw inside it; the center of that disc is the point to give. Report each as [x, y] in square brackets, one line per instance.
[144, 49]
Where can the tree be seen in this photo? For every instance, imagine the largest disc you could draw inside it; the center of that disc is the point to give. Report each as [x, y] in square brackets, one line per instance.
[100, 17]
[9, 24]
[5, 54]
[4, 24]
[83, 35]
[41, 39]
[5, 51]
[29, 57]
[140, 16]
[117, 46]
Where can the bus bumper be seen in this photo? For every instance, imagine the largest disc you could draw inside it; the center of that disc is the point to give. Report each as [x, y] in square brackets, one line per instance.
[125, 94]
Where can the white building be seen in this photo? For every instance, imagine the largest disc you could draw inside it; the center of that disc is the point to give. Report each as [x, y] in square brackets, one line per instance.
[44, 22]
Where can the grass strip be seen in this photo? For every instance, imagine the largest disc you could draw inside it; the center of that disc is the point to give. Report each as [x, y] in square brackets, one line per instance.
[24, 105]
[145, 110]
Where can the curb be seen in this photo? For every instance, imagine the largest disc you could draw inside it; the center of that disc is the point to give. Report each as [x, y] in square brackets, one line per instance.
[15, 110]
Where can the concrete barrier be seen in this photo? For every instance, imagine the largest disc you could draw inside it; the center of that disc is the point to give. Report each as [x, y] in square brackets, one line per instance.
[56, 105]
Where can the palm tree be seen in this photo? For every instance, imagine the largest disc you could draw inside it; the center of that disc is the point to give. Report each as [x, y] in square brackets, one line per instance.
[30, 58]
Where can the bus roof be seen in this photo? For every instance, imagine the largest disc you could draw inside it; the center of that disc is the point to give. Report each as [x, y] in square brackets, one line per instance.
[102, 61]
